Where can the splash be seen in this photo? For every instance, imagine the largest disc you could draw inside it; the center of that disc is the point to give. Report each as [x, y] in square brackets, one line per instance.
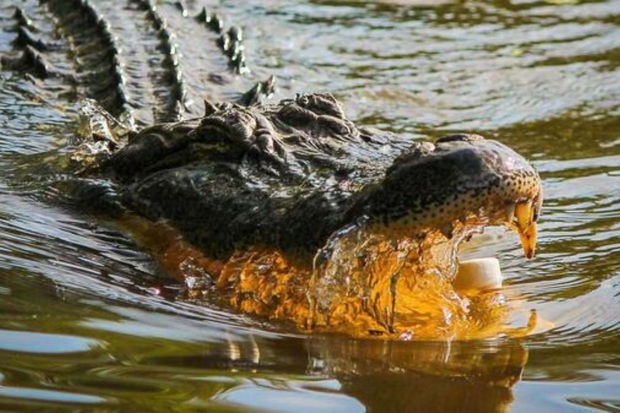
[367, 282]
[363, 282]
[392, 283]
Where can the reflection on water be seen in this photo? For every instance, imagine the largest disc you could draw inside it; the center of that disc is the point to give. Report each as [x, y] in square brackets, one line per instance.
[432, 377]
[88, 322]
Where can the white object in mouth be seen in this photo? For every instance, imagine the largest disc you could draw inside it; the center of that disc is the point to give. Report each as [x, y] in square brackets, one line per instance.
[478, 275]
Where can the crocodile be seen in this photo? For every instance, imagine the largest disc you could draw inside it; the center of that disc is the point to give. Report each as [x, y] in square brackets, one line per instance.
[287, 211]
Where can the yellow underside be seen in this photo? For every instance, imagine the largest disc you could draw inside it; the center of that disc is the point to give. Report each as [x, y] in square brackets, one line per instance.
[266, 283]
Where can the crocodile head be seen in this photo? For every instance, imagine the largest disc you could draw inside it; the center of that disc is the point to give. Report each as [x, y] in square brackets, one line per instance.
[459, 179]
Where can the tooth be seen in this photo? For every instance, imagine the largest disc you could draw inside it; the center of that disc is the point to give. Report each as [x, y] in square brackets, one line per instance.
[523, 212]
[510, 212]
[528, 240]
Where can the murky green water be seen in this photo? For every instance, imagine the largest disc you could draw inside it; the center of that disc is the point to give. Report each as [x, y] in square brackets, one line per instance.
[88, 322]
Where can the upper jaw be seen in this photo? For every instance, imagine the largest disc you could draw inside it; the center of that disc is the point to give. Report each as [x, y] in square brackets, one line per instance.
[459, 177]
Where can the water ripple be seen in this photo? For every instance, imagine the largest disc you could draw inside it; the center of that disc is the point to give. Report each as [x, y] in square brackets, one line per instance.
[539, 76]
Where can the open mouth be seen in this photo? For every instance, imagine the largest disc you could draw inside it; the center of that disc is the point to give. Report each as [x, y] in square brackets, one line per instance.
[387, 281]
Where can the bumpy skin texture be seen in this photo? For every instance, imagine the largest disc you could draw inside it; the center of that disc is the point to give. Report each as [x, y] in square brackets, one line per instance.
[281, 175]
[290, 175]
[86, 34]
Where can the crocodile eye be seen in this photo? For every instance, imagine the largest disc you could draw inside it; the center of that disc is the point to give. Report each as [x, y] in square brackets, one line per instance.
[452, 138]
[461, 137]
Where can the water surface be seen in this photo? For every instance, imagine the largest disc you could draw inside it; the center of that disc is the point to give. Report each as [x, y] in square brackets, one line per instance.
[89, 323]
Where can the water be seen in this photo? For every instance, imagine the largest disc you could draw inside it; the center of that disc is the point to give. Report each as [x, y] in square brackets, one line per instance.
[88, 322]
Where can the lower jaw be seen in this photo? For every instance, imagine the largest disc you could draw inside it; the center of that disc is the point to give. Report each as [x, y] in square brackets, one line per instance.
[365, 284]
[368, 284]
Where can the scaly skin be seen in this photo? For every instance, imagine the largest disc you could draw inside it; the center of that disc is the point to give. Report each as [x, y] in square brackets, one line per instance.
[103, 61]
